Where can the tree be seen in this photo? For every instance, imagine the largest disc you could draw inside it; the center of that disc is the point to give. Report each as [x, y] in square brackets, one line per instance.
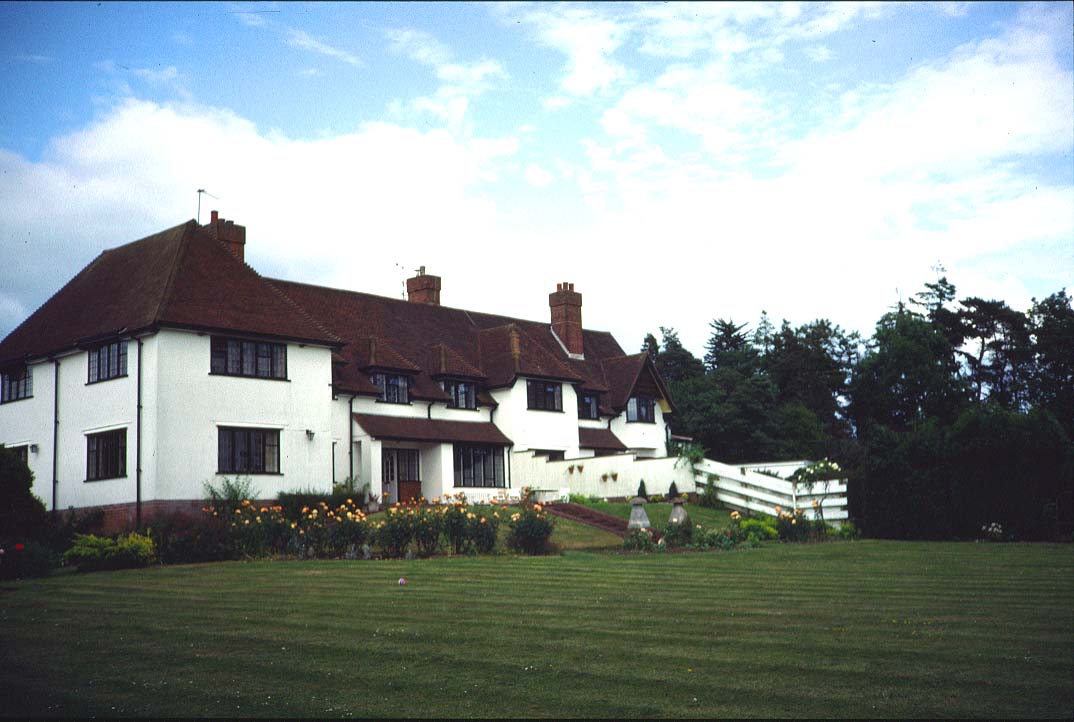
[673, 361]
[811, 365]
[906, 376]
[762, 335]
[1051, 378]
[729, 346]
[651, 346]
[998, 357]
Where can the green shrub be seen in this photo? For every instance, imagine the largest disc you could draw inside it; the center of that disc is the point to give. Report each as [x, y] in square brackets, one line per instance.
[72, 523]
[483, 529]
[22, 560]
[22, 515]
[395, 531]
[758, 529]
[678, 535]
[639, 540]
[530, 530]
[181, 539]
[708, 499]
[848, 532]
[230, 493]
[641, 490]
[291, 502]
[584, 500]
[673, 491]
[719, 539]
[427, 523]
[456, 525]
[92, 553]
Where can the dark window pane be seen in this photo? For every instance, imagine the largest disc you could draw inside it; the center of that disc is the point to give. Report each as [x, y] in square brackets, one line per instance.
[234, 357]
[218, 356]
[279, 361]
[249, 358]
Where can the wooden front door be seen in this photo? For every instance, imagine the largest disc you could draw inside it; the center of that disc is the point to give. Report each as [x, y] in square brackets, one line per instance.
[409, 490]
[400, 477]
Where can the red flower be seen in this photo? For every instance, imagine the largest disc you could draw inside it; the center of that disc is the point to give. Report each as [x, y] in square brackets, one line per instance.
[19, 547]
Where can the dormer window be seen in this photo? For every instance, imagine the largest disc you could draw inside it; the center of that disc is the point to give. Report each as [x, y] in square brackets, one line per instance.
[588, 405]
[394, 388]
[16, 383]
[463, 393]
[641, 409]
[108, 361]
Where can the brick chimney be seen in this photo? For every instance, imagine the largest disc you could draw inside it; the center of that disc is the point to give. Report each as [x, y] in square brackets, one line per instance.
[423, 288]
[232, 236]
[566, 305]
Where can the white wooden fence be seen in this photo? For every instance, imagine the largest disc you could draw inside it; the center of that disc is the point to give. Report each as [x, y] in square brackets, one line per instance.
[744, 489]
[739, 487]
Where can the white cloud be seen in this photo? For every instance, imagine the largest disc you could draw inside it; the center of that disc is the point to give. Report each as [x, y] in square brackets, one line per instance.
[589, 38]
[157, 77]
[460, 82]
[252, 19]
[302, 39]
[537, 176]
[33, 58]
[380, 195]
[419, 45]
[819, 53]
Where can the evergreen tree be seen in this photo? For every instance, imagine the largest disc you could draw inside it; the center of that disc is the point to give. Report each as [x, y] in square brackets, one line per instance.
[729, 345]
[674, 362]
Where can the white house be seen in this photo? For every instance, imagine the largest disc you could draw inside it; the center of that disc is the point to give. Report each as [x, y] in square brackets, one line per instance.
[168, 362]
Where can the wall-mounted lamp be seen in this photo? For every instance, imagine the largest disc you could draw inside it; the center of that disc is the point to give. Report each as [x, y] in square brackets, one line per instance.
[309, 434]
[33, 448]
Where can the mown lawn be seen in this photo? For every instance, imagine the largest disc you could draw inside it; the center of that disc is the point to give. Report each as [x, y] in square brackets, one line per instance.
[861, 629]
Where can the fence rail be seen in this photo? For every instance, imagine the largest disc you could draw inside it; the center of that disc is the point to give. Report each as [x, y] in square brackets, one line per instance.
[747, 490]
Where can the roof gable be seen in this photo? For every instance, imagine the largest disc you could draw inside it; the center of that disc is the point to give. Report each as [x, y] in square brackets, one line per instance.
[179, 277]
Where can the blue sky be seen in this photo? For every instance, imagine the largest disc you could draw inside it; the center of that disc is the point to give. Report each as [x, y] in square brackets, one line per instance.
[678, 163]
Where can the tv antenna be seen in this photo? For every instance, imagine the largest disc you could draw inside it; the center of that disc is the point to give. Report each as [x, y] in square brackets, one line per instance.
[200, 191]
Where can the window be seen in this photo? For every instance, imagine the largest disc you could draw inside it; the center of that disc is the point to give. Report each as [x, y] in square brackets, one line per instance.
[22, 453]
[108, 361]
[544, 395]
[106, 455]
[16, 383]
[394, 388]
[248, 451]
[463, 394]
[256, 359]
[399, 465]
[588, 404]
[477, 465]
[641, 408]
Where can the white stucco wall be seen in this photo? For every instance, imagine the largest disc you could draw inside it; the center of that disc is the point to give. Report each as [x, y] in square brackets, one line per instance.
[192, 404]
[532, 429]
[642, 438]
[630, 470]
[29, 421]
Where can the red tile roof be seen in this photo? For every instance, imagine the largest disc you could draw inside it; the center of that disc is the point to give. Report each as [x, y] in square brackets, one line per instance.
[180, 277]
[599, 439]
[404, 428]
